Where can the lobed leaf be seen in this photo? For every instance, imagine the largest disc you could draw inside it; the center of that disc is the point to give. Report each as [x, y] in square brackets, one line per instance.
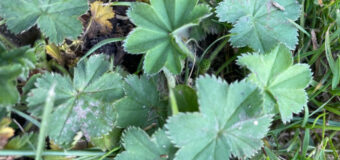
[230, 122]
[156, 33]
[82, 105]
[261, 24]
[282, 83]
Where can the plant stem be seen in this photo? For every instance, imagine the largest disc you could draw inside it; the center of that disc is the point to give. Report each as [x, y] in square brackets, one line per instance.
[174, 106]
[219, 70]
[171, 85]
[217, 50]
[211, 45]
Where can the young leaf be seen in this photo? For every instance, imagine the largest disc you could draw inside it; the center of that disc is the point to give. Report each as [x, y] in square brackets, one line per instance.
[82, 105]
[137, 108]
[282, 82]
[56, 19]
[230, 122]
[261, 24]
[139, 146]
[157, 30]
[101, 14]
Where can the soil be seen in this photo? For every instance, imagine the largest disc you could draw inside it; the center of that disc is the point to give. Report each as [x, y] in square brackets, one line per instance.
[121, 28]
[22, 39]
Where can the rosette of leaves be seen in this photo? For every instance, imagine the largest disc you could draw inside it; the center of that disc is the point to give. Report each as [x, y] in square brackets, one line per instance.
[230, 122]
[56, 19]
[14, 63]
[282, 82]
[139, 107]
[159, 25]
[83, 104]
[139, 146]
[261, 24]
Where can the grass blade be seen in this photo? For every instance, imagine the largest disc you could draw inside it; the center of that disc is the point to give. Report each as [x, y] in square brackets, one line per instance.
[46, 114]
[305, 143]
[101, 44]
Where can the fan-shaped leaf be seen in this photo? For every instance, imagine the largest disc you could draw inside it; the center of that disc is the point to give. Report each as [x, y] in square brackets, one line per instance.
[82, 105]
[230, 122]
[156, 34]
[139, 146]
[57, 19]
[282, 82]
[261, 24]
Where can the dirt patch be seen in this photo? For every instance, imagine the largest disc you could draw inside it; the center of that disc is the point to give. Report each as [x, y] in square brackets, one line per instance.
[22, 39]
[121, 28]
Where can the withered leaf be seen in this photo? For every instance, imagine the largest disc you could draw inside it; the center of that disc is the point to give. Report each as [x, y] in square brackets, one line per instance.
[101, 14]
[5, 132]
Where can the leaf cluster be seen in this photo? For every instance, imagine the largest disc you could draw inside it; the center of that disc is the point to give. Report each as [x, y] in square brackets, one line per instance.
[166, 114]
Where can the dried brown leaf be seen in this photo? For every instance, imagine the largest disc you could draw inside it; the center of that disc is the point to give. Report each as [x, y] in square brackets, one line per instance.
[101, 14]
[5, 132]
[54, 52]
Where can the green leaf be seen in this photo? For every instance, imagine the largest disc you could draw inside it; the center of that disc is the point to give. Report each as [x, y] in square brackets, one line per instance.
[186, 98]
[282, 82]
[138, 107]
[85, 105]
[56, 19]
[139, 146]
[261, 24]
[157, 29]
[13, 63]
[230, 122]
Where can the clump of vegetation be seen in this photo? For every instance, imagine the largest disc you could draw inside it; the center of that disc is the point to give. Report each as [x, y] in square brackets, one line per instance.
[170, 79]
